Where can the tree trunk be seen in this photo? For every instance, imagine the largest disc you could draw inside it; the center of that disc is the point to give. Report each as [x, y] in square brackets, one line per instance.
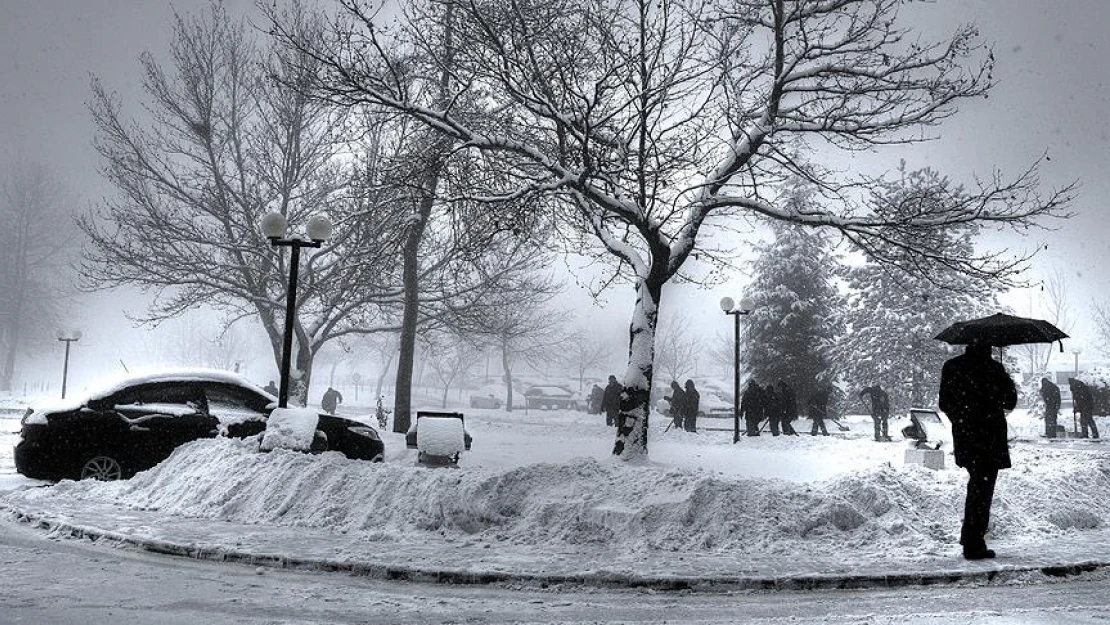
[506, 366]
[402, 393]
[632, 423]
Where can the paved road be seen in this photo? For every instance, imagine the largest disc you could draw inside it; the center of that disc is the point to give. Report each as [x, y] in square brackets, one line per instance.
[71, 582]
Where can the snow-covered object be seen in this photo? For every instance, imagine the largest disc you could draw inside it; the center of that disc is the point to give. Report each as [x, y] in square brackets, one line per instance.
[290, 428]
[440, 436]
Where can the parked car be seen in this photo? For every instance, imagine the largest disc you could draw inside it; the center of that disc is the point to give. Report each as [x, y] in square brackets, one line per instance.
[549, 396]
[487, 397]
[133, 425]
[412, 437]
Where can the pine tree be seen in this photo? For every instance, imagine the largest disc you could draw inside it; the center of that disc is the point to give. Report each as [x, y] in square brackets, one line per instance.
[892, 316]
[795, 323]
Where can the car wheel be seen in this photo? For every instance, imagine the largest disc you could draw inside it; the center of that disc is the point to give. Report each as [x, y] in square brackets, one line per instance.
[103, 468]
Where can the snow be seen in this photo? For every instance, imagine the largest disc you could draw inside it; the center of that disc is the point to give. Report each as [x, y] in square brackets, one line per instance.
[290, 428]
[440, 436]
[543, 483]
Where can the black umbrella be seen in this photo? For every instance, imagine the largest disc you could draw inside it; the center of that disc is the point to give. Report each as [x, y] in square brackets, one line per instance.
[1000, 330]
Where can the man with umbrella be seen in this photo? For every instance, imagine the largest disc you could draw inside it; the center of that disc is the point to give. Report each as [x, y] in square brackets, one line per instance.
[975, 393]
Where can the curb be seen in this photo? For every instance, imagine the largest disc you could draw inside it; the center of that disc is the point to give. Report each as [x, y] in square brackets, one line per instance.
[393, 572]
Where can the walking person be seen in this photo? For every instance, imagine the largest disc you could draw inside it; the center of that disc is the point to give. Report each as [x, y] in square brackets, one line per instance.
[1050, 395]
[677, 405]
[1084, 404]
[771, 407]
[880, 411]
[331, 400]
[788, 408]
[819, 408]
[691, 403]
[611, 401]
[975, 393]
[271, 388]
[752, 408]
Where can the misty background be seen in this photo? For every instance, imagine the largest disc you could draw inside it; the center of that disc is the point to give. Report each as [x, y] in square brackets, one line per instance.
[1050, 100]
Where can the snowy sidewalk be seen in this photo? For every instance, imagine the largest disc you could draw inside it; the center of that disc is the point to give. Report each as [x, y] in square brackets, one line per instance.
[450, 560]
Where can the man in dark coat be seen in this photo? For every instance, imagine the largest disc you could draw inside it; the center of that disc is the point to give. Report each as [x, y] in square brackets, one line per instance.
[880, 411]
[611, 400]
[593, 406]
[788, 408]
[975, 393]
[1083, 403]
[677, 405]
[752, 408]
[1050, 395]
[331, 400]
[272, 388]
[691, 403]
[771, 407]
[819, 408]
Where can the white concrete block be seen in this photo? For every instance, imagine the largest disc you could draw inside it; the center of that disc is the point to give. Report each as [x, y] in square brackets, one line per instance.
[928, 458]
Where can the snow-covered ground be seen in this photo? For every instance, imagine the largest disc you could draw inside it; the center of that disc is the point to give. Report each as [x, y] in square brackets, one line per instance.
[540, 492]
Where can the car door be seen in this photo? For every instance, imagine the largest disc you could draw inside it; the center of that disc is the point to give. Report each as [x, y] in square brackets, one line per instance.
[241, 412]
[159, 418]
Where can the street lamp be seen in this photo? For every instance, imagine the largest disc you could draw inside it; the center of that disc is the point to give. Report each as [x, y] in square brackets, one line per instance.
[67, 337]
[318, 230]
[731, 308]
[1076, 349]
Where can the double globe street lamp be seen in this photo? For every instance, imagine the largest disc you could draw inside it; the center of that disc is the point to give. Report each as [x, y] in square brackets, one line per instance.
[274, 226]
[737, 310]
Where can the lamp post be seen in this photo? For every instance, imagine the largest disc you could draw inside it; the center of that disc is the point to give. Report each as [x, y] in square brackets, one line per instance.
[318, 230]
[729, 307]
[1075, 349]
[67, 337]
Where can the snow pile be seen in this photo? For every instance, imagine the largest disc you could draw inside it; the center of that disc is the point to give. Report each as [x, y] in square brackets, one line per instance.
[886, 509]
[440, 436]
[290, 428]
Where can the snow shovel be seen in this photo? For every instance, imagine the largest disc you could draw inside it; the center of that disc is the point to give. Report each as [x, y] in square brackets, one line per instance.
[839, 425]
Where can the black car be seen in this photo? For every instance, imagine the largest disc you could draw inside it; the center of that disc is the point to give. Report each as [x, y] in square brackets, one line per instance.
[134, 425]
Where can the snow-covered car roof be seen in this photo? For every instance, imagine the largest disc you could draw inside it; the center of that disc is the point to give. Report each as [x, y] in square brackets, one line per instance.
[549, 389]
[177, 375]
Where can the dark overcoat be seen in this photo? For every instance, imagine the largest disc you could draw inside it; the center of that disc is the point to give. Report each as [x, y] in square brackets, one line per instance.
[975, 393]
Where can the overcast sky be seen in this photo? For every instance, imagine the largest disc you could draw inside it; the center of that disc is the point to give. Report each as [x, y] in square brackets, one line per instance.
[1052, 97]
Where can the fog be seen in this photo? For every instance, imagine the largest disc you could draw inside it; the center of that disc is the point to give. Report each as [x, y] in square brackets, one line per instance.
[1050, 100]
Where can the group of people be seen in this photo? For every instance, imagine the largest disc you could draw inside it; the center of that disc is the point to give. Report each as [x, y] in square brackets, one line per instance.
[684, 406]
[777, 403]
[1082, 404]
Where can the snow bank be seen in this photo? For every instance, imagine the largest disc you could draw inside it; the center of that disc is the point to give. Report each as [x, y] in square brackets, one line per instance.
[290, 428]
[643, 508]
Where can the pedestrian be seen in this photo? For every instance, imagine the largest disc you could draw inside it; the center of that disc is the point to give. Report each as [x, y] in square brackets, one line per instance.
[1050, 395]
[332, 398]
[611, 400]
[596, 397]
[752, 408]
[677, 405]
[1082, 402]
[788, 408]
[819, 408]
[771, 407]
[880, 411]
[691, 403]
[271, 388]
[975, 393]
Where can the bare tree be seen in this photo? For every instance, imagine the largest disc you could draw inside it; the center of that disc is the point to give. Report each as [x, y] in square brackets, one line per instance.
[1055, 309]
[227, 142]
[654, 119]
[37, 236]
[677, 348]
[585, 353]
[450, 358]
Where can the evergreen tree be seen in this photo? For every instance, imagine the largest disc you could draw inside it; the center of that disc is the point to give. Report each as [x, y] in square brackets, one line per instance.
[791, 332]
[892, 315]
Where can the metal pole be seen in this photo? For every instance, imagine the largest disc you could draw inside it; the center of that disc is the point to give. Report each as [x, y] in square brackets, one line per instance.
[65, 367]
[287, 343]
[736, 379]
